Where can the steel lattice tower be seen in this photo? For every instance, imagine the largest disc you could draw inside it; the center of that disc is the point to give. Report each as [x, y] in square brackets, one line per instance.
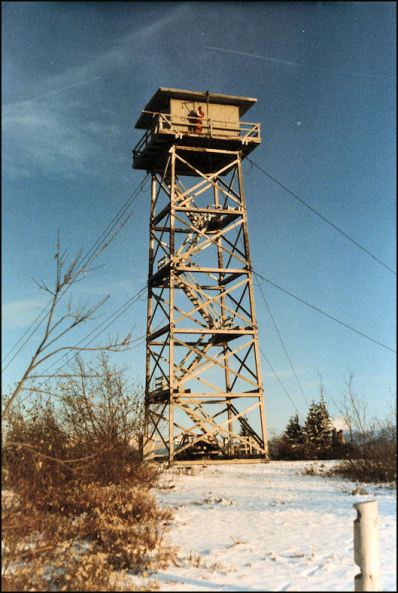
[204, 392]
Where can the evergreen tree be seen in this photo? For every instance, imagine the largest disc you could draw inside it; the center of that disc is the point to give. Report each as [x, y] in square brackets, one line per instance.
[244, 429]
[293, 431]
[318, 426]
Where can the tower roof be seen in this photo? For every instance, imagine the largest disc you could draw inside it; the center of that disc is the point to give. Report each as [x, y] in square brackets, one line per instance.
[161, 98]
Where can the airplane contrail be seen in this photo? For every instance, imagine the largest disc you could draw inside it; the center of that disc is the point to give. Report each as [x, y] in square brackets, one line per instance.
[286, 62]
[8, 108]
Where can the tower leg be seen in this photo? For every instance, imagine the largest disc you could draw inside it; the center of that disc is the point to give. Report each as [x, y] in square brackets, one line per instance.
[204, 392]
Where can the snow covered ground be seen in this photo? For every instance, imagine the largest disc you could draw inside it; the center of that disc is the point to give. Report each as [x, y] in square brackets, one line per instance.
[268, 528]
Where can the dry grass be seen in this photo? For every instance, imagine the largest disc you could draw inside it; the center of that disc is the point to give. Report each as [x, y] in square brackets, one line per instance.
[84, 539]
[313, 470]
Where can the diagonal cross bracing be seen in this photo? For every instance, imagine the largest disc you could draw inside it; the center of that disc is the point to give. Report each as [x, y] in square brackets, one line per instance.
[200, 288]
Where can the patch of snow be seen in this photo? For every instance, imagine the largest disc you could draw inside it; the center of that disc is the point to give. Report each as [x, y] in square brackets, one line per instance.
[268, 527]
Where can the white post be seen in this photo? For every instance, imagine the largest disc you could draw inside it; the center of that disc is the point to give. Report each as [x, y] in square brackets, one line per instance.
[366, 546]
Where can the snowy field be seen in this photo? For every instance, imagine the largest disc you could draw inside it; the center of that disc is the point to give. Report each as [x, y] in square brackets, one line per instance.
[268, 528]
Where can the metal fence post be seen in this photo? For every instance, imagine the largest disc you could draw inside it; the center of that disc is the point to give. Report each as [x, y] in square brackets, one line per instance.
[366, 546]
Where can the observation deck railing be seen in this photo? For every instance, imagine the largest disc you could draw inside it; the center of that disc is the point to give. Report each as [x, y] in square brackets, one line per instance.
[196, 127]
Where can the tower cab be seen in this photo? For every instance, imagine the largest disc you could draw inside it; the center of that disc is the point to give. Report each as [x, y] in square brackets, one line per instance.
[200, 120]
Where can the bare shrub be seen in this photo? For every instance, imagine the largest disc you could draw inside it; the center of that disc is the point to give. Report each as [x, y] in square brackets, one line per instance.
[34, 450]
[87, 544]
[104, 418]
[83, 511]
[281, 448]
[371, 453]
[92, 433]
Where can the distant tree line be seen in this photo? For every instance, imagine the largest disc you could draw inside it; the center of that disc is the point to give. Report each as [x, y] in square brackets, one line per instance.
[315, 438]
[370, 452]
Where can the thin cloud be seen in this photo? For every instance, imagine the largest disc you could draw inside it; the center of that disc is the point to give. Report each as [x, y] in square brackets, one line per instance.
[121, 55]
[45, 136]
[8, 109]
[19, 314]
[298, 65]
[43, 132]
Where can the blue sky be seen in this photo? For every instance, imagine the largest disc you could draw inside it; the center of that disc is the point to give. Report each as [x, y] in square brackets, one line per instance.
[75, 77]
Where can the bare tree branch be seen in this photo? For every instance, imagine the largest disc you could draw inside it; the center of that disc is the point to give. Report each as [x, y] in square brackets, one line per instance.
[79, 316]
[64, 278]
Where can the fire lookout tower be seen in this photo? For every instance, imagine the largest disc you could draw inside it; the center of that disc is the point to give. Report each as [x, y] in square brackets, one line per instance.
[204, 394]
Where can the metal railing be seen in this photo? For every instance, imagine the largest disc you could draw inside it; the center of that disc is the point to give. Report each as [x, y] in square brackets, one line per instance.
[189, 125]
